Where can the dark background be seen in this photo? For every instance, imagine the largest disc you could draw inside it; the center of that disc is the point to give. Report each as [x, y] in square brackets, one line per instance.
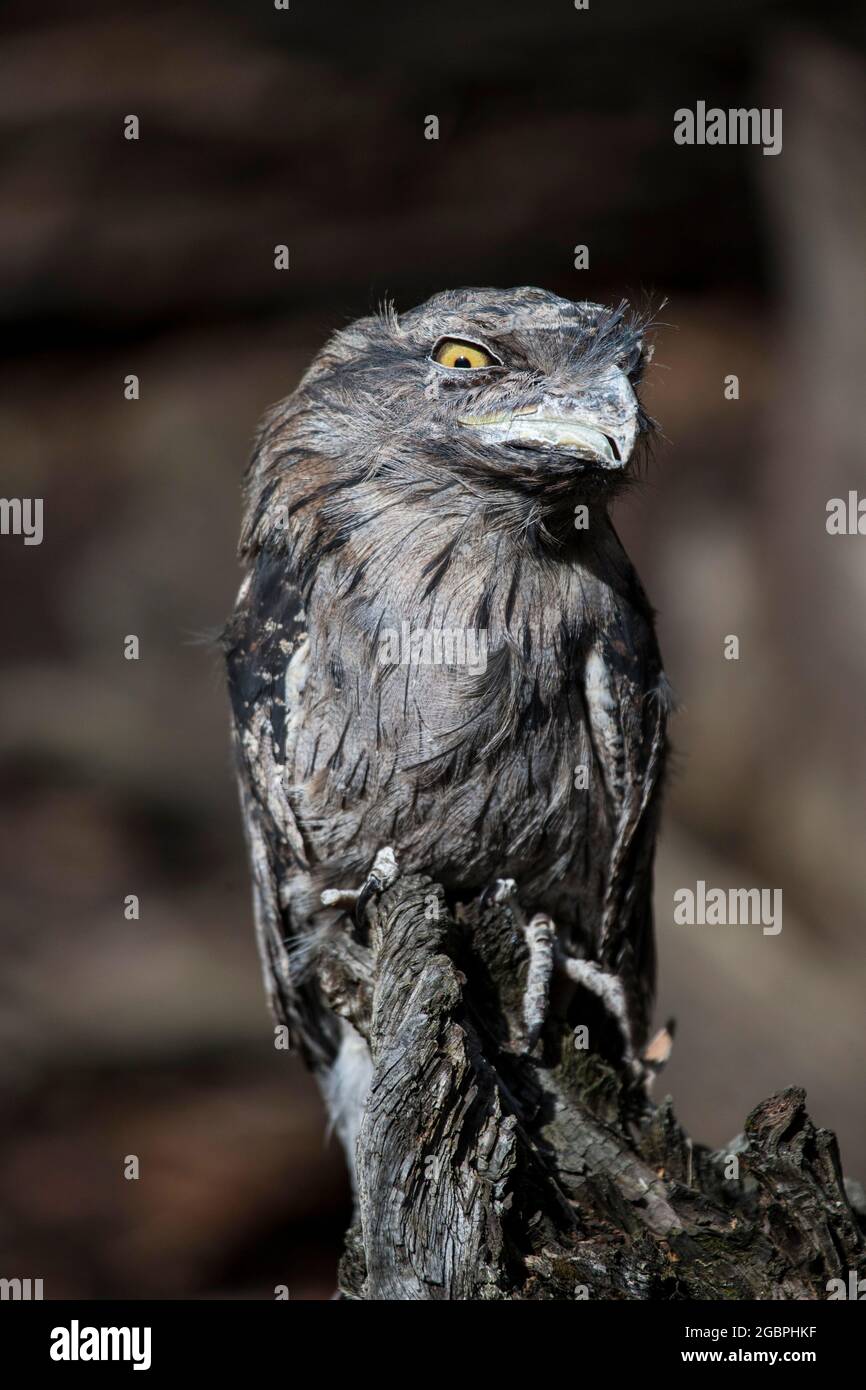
[306, 128]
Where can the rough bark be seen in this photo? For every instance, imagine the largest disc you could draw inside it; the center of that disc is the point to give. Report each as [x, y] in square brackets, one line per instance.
[486, 1172]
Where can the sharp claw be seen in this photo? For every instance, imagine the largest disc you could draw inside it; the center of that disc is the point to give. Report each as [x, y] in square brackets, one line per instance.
[380, 877]
[371, 887]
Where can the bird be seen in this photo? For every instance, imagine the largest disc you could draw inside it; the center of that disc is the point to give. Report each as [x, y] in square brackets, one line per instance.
[441, 660]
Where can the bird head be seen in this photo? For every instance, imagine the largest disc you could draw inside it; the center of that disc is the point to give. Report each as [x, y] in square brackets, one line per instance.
[518, 397]
[533, 386]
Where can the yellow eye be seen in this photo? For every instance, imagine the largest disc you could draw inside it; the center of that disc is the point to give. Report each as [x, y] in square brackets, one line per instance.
[452, 352]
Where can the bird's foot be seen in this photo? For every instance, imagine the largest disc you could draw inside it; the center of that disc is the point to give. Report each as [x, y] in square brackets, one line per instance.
[501, 890]
[646, 1065]
[540, 934]
[541, 940]
[546, 958]
[383, 873]
[609, 989]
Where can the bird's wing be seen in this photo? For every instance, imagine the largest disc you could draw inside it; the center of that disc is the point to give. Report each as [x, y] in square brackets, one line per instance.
[627, 702]
[265, 646]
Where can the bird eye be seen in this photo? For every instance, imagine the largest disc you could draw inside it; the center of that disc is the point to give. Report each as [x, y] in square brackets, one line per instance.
[456, 352]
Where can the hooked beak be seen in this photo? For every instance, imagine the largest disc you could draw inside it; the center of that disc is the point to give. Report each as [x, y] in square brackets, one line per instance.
[599, 426]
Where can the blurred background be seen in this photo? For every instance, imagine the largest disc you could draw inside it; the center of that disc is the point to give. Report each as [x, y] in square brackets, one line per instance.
[155, 257]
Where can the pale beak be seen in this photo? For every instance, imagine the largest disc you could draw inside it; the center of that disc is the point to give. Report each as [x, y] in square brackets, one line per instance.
[599, 425]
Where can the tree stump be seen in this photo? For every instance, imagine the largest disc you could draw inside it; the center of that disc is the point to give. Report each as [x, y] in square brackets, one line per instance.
[486, 1172]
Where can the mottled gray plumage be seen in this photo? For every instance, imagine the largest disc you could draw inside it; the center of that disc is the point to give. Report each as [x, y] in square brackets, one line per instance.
[390, 489]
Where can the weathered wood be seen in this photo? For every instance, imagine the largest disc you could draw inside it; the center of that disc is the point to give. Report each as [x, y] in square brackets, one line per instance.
[485, 1172]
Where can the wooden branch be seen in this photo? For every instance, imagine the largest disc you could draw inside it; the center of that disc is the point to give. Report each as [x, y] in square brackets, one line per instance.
[487, 1173]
